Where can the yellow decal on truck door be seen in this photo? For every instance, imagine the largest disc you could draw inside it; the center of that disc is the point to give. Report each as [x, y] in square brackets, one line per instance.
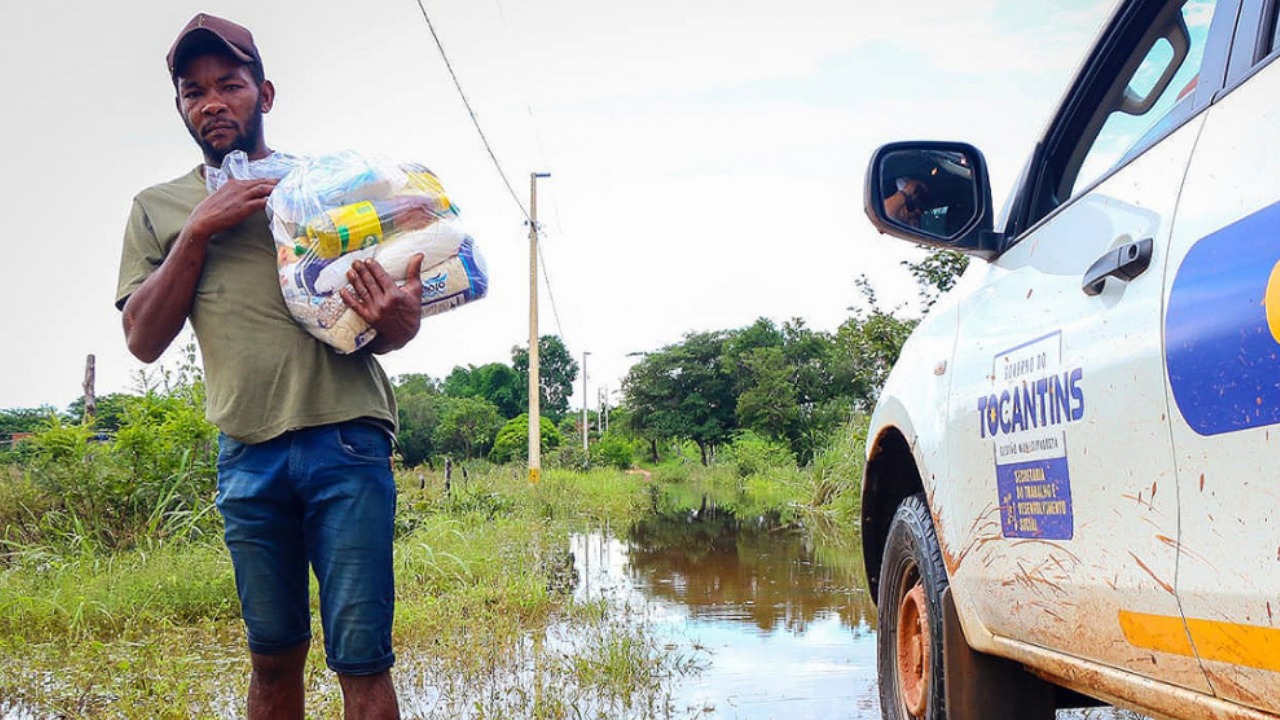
[1248, 645]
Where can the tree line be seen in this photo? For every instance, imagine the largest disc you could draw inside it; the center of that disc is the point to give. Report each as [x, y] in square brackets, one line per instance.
[787, 383]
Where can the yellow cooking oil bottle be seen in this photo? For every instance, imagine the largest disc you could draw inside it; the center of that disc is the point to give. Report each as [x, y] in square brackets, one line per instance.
[364, 224]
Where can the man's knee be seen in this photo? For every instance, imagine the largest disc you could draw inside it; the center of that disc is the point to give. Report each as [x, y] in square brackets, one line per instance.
[279, 667]
[365, 683]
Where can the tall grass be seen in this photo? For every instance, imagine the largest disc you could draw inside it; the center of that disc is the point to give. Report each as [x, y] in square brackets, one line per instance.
[835, 476]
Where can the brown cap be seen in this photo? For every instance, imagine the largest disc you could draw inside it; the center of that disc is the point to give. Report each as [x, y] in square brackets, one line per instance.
[237, 39]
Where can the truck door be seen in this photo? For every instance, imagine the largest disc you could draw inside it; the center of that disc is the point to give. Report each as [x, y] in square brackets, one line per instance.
[1222, 334]
[1058, 423]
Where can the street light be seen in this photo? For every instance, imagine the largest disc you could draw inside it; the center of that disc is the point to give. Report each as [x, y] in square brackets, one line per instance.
[585, 451]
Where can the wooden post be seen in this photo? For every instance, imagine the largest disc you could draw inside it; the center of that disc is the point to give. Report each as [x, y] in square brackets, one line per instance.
[90, 401]
[448, 474]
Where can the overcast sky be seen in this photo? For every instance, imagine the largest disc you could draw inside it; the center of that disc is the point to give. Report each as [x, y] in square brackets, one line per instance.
[707, 156]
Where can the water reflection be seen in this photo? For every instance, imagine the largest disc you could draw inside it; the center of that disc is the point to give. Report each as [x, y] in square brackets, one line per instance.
[781, 612]
[725, 568]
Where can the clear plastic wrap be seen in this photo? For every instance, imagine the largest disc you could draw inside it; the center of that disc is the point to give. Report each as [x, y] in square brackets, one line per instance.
[330, 210]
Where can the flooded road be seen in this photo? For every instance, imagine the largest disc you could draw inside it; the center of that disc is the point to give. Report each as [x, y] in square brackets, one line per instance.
[784, 627]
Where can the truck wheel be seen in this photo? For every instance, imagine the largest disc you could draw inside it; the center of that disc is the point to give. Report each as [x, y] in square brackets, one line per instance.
[924, 659]
[910, 652]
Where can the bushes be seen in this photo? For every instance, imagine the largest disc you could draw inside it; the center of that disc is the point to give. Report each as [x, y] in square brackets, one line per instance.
[755, 454]
[512, 442]
[614, 451]
[155, 479]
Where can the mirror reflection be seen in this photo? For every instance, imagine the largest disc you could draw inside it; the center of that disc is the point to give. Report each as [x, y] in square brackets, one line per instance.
[932, 191]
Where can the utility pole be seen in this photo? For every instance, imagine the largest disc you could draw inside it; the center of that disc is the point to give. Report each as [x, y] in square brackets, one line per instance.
[90, 399]
[535, 418]
[585, 451]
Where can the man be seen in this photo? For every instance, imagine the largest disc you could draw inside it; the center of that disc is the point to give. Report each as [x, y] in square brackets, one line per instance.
[907, 205]
[304, 476]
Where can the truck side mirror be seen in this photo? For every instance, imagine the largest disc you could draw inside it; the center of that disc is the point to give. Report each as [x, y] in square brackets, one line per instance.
[933, 193]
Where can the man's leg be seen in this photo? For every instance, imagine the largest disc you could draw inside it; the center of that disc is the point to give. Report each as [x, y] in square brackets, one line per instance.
[369, 697]
[275, 687]
[264, 533]
[351, 498]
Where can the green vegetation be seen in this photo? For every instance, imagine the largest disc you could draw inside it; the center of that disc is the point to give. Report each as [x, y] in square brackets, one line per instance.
[512, 443]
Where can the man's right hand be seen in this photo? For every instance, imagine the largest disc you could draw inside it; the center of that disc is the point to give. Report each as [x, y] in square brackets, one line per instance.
[156, 311]
[224, 209]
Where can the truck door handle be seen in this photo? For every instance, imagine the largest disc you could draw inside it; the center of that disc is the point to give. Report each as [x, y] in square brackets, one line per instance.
[1125, 263]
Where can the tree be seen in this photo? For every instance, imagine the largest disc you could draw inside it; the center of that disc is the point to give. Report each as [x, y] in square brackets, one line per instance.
[786, 390]
[768, 404]
[512, 442]
[419, 402]
[937, 273]
[495, 382]
[557, 371]
[110, 411]
[684, 391]
[866, 347]
[467, 425]
[18, 420]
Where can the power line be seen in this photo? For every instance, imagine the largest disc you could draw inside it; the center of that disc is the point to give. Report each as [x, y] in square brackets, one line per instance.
[472, 113]
[555, 206]
[542, 262]
[537, 134]
[492, 156]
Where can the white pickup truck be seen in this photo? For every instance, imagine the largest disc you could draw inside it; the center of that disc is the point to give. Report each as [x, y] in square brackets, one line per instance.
[1073, 479]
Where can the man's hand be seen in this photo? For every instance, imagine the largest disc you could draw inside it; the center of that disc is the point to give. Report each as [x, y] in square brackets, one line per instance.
[154, 314]
[232, 203]
[395, 312]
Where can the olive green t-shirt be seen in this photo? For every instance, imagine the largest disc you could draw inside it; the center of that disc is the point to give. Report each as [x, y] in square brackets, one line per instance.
[265, 375]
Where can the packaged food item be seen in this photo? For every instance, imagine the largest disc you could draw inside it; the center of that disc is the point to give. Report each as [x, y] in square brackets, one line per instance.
[330, 210]
[366, 223]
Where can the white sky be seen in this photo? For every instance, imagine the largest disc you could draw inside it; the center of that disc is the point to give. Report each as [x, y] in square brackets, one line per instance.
[707, 155]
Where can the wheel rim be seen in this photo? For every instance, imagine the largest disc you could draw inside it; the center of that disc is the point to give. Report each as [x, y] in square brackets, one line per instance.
[913, 650]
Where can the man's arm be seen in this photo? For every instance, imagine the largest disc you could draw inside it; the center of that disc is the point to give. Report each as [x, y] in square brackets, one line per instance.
[155, 312]
[395, 312]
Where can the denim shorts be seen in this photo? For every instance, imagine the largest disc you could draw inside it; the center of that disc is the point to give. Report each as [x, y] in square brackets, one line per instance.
[322, 497]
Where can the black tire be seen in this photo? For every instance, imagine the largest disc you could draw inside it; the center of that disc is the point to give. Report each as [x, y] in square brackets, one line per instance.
[911, 557]
[981, 687]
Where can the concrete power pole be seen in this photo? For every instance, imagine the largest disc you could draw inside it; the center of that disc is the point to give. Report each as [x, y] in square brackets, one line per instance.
[535, 418]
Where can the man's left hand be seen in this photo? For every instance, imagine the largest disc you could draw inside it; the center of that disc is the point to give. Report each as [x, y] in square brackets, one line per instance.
[394, 311]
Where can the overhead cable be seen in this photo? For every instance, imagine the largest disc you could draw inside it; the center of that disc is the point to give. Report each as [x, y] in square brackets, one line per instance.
[472, 113]
[501, 173]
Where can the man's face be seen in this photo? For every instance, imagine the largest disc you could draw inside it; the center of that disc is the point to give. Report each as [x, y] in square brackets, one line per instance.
[222, 106]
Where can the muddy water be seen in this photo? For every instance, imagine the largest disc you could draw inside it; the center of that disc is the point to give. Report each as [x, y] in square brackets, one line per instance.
[778, 617]
[782, 626]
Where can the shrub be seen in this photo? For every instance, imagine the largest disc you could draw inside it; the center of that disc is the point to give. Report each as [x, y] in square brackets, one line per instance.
[756, 455]
[512, 442]
[154, 479]
[615, 451]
